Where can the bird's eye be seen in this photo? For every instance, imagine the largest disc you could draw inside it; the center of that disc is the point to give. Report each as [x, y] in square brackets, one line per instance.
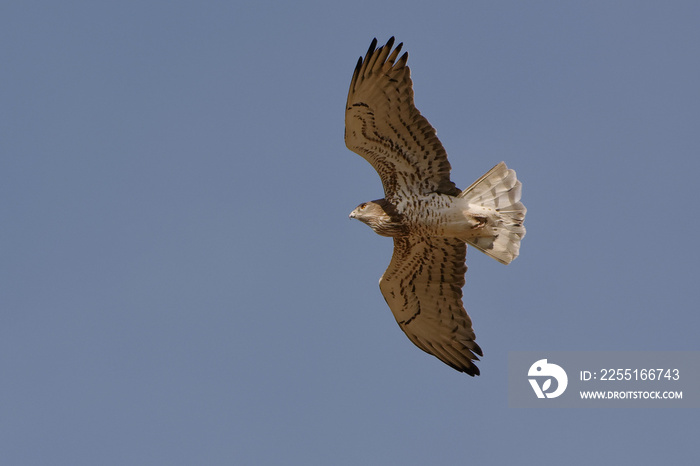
[362, 206]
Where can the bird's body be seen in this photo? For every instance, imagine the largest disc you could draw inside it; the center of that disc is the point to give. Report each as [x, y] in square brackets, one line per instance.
[430, 219]
[444, 216]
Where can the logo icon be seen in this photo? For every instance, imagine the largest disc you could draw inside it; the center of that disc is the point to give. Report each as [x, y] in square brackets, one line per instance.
[543, 369]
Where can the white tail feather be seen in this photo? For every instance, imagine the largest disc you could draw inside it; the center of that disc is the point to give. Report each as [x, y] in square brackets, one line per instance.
[497, 194]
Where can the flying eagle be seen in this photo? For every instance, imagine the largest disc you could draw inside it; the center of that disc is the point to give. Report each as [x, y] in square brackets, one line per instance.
[430, 219]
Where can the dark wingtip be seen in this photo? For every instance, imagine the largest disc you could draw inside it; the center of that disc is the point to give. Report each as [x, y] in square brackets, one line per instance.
[472, 371]
[467, 368]
[371, 48]
[389, 45]
[403, 60]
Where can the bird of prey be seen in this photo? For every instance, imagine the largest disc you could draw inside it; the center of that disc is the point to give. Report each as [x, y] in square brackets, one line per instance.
[429, 218]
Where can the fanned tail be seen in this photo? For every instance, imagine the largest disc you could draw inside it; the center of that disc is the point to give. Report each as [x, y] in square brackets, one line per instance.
[497, 194]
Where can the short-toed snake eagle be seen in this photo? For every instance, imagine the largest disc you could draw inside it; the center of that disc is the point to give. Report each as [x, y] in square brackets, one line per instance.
[430, 219]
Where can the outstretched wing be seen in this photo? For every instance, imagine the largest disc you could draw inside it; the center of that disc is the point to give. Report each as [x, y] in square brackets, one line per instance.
[423, 288]
[383, 125]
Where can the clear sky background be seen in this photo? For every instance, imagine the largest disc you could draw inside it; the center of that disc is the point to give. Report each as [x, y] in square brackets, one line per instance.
[180, 283]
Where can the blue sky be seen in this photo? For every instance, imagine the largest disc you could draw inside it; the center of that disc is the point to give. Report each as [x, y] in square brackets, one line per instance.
[180, 283]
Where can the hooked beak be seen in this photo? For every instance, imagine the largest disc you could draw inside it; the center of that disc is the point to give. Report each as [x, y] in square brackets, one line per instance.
[352, 214]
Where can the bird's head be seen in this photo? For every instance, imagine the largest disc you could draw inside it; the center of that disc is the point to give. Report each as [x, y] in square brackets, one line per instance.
[378, 216]
[368, 211]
